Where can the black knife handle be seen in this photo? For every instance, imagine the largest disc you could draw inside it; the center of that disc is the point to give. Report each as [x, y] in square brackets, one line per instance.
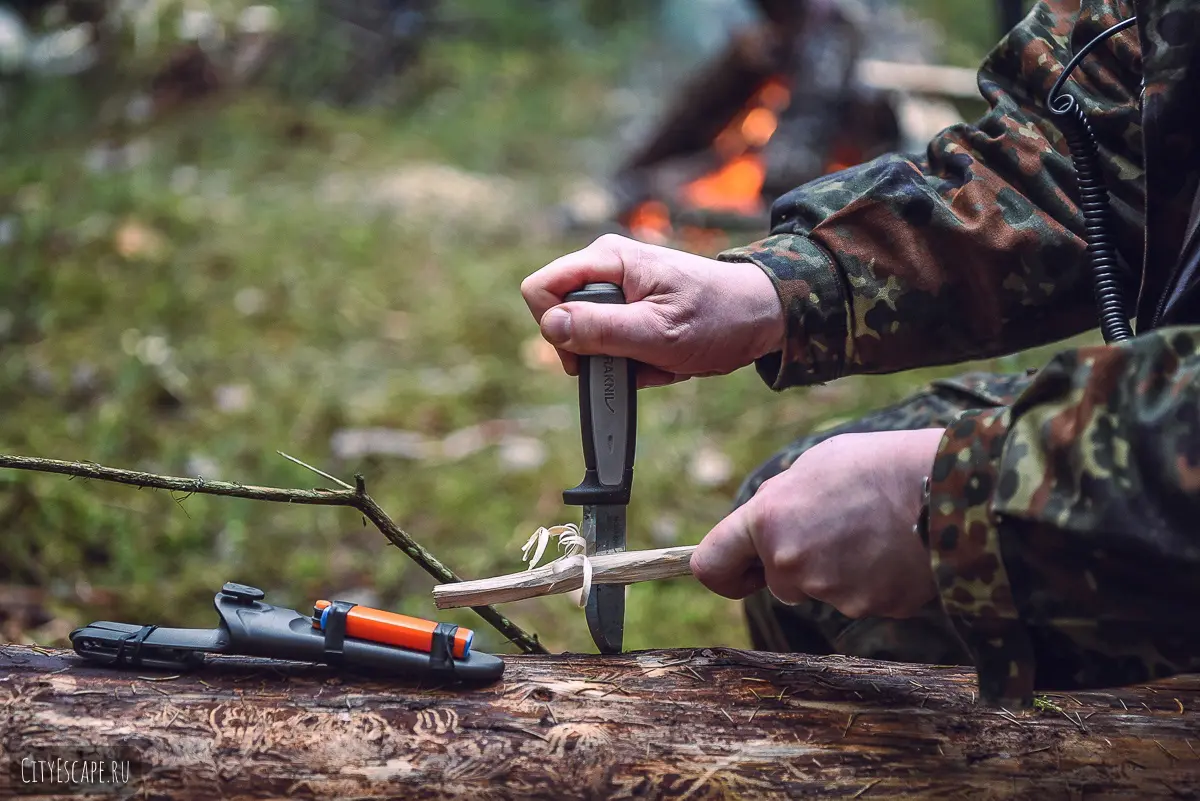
[607, 417]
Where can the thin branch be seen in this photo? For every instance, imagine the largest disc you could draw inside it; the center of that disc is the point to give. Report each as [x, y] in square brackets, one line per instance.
[356, 498]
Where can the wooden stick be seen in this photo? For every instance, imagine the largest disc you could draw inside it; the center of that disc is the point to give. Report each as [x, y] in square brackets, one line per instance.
[564, 575]
[924, 79]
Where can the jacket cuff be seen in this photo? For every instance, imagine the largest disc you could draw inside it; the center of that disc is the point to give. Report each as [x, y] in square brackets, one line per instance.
[815, 306]
[966, 550]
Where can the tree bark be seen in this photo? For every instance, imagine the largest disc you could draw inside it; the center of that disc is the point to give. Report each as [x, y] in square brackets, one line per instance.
[710, 723]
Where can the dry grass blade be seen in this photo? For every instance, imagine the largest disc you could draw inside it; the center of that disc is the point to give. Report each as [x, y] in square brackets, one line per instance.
[320, 473]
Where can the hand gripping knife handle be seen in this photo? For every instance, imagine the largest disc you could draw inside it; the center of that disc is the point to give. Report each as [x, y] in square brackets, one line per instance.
[608, 421]
[608, 417]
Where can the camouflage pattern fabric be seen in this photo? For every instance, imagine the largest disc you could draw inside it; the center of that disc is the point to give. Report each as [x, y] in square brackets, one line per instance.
[1063, 527]
[1062, 523]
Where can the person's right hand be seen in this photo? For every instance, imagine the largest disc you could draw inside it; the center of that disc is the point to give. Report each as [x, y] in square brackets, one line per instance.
[684, 315]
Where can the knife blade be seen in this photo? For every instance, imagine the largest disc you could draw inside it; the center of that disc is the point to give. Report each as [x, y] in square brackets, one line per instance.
[604, 530]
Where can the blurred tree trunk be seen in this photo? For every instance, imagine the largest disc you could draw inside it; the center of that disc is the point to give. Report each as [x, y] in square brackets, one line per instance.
[1011, 12]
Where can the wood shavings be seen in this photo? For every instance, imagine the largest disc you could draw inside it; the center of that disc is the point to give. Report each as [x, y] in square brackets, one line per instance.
[574, 548]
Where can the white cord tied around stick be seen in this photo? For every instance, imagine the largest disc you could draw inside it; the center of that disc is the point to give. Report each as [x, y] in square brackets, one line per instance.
[574, 547]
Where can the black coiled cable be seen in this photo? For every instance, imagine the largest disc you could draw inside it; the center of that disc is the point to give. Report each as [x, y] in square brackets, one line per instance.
[1093, 198]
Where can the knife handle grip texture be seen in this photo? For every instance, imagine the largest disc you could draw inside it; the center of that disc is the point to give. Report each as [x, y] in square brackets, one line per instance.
[607, 417]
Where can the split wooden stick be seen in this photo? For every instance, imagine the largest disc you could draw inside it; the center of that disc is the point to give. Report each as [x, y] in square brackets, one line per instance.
[629, 567]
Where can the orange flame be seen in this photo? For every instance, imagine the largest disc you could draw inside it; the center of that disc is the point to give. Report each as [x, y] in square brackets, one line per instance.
[759, 126]
[774, 94]
[736, 185]
[650, 222]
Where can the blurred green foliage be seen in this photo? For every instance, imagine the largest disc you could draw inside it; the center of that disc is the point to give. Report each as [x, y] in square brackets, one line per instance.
[970, 29]
[245, 273]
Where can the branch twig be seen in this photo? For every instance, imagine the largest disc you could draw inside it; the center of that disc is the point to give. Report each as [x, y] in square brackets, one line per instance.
[356, 498]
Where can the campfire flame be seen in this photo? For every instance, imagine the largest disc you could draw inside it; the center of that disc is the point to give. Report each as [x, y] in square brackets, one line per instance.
[735, 186]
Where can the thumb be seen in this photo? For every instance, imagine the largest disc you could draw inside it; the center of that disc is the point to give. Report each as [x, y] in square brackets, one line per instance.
[593, 329]
[726, 561]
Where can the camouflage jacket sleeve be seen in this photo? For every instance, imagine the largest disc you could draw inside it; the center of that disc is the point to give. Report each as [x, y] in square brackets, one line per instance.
[973, 249]
[1063, 528]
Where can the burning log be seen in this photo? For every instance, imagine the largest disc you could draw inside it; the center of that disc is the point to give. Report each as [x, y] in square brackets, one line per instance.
[704, 107]
[773, 111]
[710, 723]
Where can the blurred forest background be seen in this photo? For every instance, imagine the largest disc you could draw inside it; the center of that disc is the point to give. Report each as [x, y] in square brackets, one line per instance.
[228, 229]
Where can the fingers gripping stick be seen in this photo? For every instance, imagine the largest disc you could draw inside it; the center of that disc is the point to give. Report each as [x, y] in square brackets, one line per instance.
[608, 421]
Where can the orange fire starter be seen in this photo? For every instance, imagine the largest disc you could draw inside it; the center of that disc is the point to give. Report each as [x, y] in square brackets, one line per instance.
[390, 628]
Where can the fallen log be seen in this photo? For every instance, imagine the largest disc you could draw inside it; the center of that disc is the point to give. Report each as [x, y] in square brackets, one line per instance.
[710, 723]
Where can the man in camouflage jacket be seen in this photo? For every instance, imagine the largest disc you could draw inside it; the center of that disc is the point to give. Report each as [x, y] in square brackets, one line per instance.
[1057, 548]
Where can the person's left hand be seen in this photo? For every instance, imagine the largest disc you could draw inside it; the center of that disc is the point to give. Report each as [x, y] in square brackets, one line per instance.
[836, 526]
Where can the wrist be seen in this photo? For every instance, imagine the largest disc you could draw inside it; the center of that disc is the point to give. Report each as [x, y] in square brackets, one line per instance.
[769, 330]
[812, 305]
